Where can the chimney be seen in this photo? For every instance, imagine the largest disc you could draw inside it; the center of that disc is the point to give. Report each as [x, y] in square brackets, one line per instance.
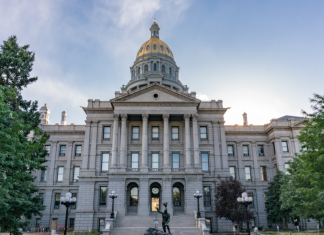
[245, 121]
[63, 120]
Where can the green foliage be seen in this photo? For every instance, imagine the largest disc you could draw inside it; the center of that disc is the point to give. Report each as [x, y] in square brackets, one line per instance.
[305, 191]
[275, 213]
[21, 145]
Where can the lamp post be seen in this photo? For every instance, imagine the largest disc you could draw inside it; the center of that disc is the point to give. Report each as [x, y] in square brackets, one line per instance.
[245, 201]
[67, 201]
[113, 195]
[197, 195]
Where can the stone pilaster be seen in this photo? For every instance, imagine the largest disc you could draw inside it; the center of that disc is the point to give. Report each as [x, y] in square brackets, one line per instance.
[51, 168]
[86, 147]
[218, 167]
[278, 147]
[166, 147]
[123, 142]
[188, 147]
[115, 142]
[224, 149]
[239, 154]
[255, 155]
[195, 140]
[144, 167]
[67, 170]
[93, 149]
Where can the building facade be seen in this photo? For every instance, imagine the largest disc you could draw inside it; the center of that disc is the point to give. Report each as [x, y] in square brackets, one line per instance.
[156, 142]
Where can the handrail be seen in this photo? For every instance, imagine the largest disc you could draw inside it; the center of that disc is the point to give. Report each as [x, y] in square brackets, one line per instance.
[201, 224]
[110, 223]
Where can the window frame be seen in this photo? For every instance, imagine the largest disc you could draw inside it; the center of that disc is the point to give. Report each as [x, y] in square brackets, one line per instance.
[134, 161]
[261, 153]
[72, 219]
[250, 194]
[177, 128]
[102, 162]
[204, 162]
[234, 171]
[57, 205]
[210, 223]
[207, 203]
[49, 151]
[173, 162]
[158, 132]
[200, 133]
[282, 142]
[101, 203]
[232, 146]
[74, 179]
[133, 128]
[58, 173]
[263, 172]
[158, 161]
[43, 194]
[61, 153]
[43, 177]
[38, 221]
[76, 148]
[249, 167]
[246, 147]
[100, 229]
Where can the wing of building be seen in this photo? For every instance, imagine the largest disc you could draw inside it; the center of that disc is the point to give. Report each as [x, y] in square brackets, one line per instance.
[155, 142]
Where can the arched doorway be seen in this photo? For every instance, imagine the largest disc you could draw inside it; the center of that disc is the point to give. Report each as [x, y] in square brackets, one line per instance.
[178, 198]
[155, 196]
[132, 198]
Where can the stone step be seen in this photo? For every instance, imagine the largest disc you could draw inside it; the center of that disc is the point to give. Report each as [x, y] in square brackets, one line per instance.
[141, 230]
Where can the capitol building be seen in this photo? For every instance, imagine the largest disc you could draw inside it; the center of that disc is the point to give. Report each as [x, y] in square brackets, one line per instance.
[155, 142]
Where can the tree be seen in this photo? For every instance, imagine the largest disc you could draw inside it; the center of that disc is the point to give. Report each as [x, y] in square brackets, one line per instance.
[20, 152]
[276, 214]
[305, 191]
[227, 207]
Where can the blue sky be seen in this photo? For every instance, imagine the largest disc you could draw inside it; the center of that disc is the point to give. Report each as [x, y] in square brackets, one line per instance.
[264, 58]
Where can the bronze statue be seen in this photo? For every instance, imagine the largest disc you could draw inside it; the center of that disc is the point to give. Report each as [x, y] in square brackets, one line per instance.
[165, 217]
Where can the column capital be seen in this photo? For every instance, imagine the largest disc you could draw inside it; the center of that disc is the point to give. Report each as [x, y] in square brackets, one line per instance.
[123, 116]
[145, 116]
[116, 116]
[194, 117]
[165, 116]
[186, 116]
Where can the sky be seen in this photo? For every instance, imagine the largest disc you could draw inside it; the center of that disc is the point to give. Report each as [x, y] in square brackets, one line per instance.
[264, 58]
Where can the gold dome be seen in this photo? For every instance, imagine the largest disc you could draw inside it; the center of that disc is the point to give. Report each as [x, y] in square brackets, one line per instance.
[154, 45]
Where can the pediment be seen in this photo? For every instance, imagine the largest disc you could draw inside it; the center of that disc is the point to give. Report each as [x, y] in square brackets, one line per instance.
[148, 94]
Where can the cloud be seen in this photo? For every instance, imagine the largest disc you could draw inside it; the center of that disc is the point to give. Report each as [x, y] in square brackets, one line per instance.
[202, 97]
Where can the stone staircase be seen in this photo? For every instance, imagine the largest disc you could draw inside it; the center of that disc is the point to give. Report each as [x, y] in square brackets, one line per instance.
[137, 225]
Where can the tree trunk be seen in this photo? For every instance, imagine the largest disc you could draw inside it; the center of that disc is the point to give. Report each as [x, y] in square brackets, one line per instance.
[286, 224]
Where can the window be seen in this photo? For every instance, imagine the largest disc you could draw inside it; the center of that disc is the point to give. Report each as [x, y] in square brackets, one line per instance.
[260, 150]
[285, 146]
[230, 150]
[175, 133]
[245, 150]
[203, 133]
[205, 161]
[274, 148]
[176, 196]
[134, 160]
[106, 132]
[135, 132]
[265, 196]
[286, 168]
[105, 162]
[62, 150]
[141, 50]
[44, 175]
[154, 46]
[38, 223]
[232, 171]
[207, 201]
[263, 173]
[167, 49]
[146, 68]
[155, 161]
[48, 149]
[134, 196]
[57, 201]
[175, 160]
[248, 173]
[209, 223]
[72, 223]
[76, 173]
[163, 69]
[138, 70]
[103, 195]
[60, 171]
[42, 196]
[78, 150]
[155, 133]
[154, 67]
[161, 47]
[170, 71]
[76, 196]
[101, 225]
[251, 195]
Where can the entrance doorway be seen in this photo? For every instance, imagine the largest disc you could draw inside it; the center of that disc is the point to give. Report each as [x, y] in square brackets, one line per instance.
[54, 224]
[155, 191]
[178, 198]
[132, 198]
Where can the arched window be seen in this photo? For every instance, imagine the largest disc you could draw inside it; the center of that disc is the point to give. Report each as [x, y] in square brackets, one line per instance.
[134, 196]
[161, 47]
[176, 196]
[138, 70]
[154, 32]
[170, 70]
[147, 47]
[146, 68]
[154, 47]
[141, 50]
[163, 69]
[167, 49]
[154, 66]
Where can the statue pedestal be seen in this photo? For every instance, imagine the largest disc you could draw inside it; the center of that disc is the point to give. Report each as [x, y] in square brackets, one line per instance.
[154, 231]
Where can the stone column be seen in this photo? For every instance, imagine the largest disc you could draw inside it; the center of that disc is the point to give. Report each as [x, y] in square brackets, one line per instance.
[224, 149]
[255, 154]
[67, 170]
[188, 148]
[51, 167]
[93, 153]
[144, 144]
[166, 147]
[278, 147]
[85, 150]
[218, 167]
[195, 140]
[239, 154]
[123, 141]
[115, 142]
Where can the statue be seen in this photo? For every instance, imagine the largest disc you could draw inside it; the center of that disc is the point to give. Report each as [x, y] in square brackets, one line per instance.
[165, 217]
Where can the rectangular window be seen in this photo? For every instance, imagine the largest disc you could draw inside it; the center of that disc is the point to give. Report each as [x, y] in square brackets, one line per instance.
[42, 196]
[72, 223]
[261, 150]
[60, 171]
[38, 223]
[78, 150]
[76, 196]
[44, 175]
[232, 171]
[134, 160]
[263, 173]
[209, 223]
[48, 149]
[274, 148]
[230, 150]
[57, 201]
[155, 133]
[106, 132]
[207, 201]
[103, 195]
[285, 146]
[286, 168]
[205, 161]
[62, 150]
[105, 162]
[245, 150]
[251, 195]
[175, 133]
[101, 225]
[76, 173]
[155, 161]
[203, 133]
[175, 160]
[248, 173]
[135, 132]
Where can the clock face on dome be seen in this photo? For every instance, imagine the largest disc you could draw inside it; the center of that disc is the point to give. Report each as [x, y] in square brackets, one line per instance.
[155, 190]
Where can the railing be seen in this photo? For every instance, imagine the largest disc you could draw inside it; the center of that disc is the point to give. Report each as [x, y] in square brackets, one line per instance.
[133, 170]
[155, 169]
[200, 223]
[177, 169]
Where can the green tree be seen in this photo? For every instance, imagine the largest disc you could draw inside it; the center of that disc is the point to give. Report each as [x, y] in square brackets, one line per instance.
[20, 152]
[305, 191]
[275, 213]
